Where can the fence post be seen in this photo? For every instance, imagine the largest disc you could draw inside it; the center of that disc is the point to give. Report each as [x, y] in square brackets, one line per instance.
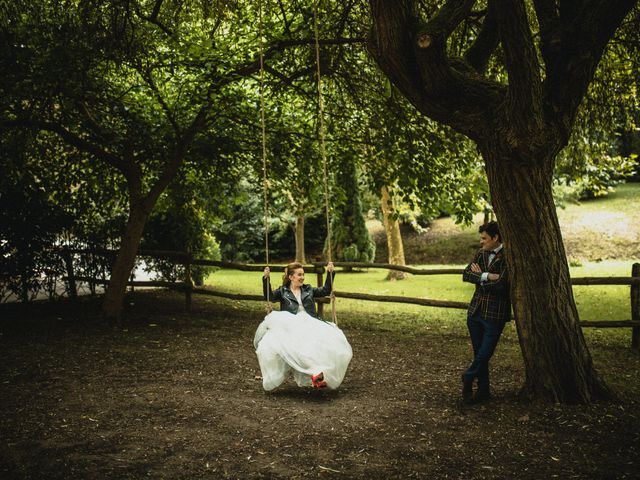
[635, 307]
[68, 261]
[188, 282]
[319, 271]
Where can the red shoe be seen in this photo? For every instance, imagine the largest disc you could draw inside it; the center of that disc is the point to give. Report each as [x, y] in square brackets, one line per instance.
[318, 380]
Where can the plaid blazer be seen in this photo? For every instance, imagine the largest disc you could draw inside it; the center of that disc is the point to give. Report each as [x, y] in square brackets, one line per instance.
[491, 299]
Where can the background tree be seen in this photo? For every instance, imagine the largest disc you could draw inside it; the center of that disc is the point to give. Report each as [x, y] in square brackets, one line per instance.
[392, 232]
[295, 170]
[350, 239]
[30, 222]
[129, 87]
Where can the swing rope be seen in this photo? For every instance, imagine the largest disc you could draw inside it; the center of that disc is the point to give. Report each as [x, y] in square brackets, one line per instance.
[323, 154]
[265, 200]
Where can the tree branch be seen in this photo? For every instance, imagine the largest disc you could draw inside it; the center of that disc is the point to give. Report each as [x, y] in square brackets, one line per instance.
[285, 21]
[525, 86]
[282, 44]
[288, 80]
[392, 45]
[134, 176]
[550, 33]
[253, 66]
[146, 76]
[568, 9]
[486, 42]
[72, 139]
[450, 15]
[585, 35]
[414, 57]
[153, 18]
[156, 9]
[177, 156]
[93, 123]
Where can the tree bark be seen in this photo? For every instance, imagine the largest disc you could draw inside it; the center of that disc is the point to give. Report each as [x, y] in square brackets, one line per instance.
[299, 235]
[125, 260]
[392, 230]
[557, 361]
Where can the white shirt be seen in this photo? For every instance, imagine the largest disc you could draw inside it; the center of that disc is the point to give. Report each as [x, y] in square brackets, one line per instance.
[298, 296]
[485, 275]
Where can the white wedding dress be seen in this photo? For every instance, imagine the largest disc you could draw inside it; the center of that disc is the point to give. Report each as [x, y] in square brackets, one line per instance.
[303, 344]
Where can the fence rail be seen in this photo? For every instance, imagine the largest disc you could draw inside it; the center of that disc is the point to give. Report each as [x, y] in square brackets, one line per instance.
[186, 259]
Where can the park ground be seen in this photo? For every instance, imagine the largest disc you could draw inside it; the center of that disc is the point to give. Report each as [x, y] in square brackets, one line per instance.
[175, 394]
[172, 395]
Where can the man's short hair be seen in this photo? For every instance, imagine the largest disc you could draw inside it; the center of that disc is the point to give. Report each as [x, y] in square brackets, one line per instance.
[491, 229]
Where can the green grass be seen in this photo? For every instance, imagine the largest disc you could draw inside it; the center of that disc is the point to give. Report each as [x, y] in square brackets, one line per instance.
[594, 302]
[606, 228]
[624, 198]
[603, 302]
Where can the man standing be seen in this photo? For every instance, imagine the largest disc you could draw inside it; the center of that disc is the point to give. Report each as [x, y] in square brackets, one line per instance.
[488, 311]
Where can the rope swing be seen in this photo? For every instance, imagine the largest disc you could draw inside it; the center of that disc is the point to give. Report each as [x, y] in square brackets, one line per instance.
[323, 154]
[265, 200]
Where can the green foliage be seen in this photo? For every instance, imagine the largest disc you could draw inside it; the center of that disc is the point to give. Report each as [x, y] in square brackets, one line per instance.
[430, 168]
[240, 228]
[179, 223]
[49, 201]
[350, 239]
[130, 82]
[30, 225]
[601, 152]
[122, 85]
[593, 181]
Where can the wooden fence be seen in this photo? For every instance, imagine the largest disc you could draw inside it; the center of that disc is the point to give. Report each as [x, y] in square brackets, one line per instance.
[187, 260]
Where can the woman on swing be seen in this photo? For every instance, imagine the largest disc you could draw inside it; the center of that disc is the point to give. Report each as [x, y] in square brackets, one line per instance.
[296, 338]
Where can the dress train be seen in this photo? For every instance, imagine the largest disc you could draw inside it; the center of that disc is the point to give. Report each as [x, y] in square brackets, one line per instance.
[304, 344]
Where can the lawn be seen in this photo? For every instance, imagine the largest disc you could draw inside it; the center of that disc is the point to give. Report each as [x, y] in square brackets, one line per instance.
[595, 302]
[606, 228]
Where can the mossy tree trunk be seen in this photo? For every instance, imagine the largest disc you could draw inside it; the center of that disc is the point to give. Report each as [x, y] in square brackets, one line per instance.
[392, 231]
[557, 361]
[299, 237]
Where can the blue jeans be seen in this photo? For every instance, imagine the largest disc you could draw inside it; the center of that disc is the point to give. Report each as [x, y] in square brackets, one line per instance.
[484, 338]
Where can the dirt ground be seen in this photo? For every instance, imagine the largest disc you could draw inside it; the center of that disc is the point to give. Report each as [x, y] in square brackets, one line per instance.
[174, 396]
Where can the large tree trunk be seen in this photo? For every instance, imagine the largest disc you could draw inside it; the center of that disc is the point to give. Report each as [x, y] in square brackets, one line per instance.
[392, 230]
[299, 234]
[557, 360]
[520, 126]
[121, 270]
